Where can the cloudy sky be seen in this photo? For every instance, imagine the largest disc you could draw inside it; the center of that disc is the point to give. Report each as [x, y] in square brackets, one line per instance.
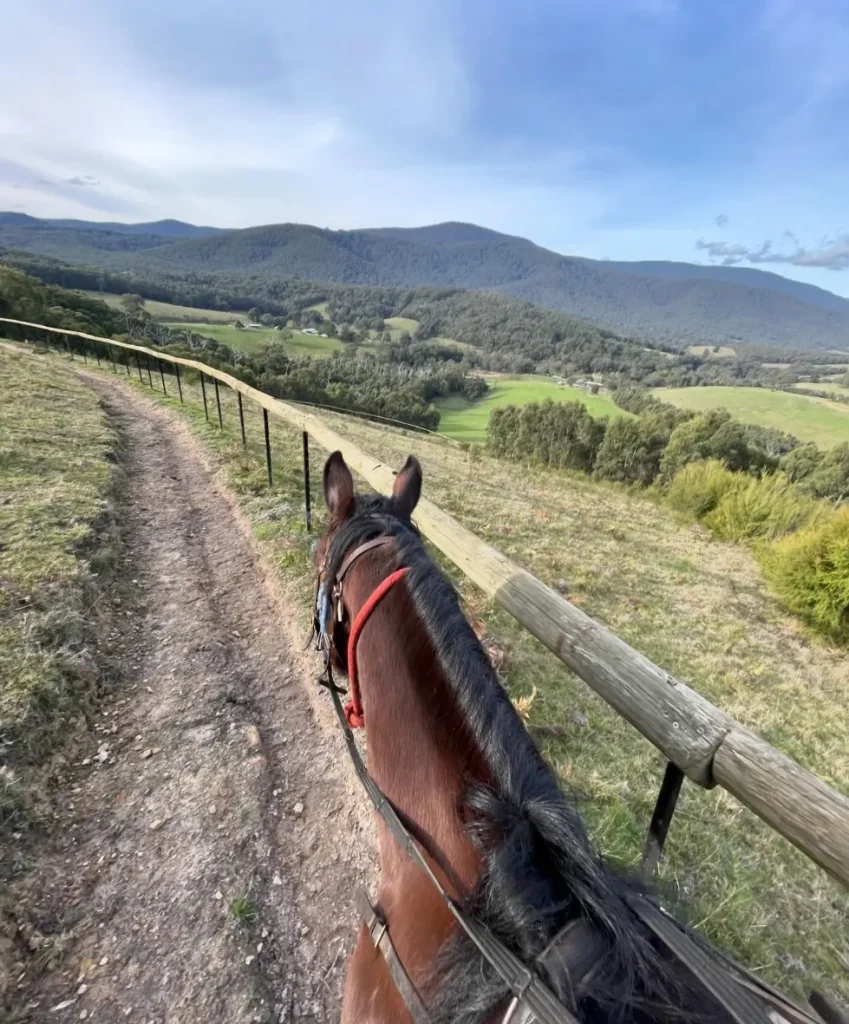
[628, 129]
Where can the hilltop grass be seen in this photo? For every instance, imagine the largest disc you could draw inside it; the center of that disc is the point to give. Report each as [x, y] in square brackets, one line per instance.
[724, 351]
[171, 311]
[810, 419]
[54, 480]
[297, 344]
[397, 325]
[697, 607]
[826, 388]
[467, 421]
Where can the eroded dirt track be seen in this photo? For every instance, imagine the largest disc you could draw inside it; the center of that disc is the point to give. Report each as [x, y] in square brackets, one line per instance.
[205, 869]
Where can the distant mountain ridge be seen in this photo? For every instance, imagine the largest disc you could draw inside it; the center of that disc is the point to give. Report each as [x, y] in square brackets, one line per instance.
[157, 228]
[661, 301]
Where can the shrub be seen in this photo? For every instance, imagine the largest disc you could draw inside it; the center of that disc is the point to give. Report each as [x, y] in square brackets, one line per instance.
[766, 508]
[801, 462]
[698, 487]
[830, 479]
[632, 449]
[809, 572]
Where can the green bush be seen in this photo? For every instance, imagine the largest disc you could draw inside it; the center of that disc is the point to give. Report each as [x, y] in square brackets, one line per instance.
[830, 479]
[809, 572]
[699, 486]
[801, 462]
[765, 508]
[632, 449]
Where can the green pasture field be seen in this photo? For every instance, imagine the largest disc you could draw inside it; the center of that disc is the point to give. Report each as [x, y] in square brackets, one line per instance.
[170, 311]
[697, 607]
[810, 419]
[467, 421]
[298, 344]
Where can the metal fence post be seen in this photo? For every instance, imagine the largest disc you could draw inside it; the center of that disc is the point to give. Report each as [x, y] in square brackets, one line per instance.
[85, 357]
[97, 353]
[149, 374]
[127, 362]
[112, 357]
[307, 510]
[218, 404]
[267, 444]
[242, 419]
[162, 376]
[203, 389]
[138, 367]
[661, 818]
[179, 383]
[68, 346]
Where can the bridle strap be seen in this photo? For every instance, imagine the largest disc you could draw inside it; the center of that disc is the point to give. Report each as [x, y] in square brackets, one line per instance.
[352, 556]
[354, 707]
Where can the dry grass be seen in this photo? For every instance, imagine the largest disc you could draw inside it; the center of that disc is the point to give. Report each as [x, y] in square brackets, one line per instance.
[698, 608]
[54, 483]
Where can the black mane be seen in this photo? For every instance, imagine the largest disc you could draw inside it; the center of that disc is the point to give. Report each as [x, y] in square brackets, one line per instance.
[540, 870]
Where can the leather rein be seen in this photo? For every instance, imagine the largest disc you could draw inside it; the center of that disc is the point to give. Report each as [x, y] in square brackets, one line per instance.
[745, 998]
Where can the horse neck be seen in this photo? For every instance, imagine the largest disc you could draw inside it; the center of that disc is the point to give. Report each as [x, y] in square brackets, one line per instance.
[420, 751]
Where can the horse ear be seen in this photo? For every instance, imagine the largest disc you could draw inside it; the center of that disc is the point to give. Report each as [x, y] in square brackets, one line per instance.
[338, 487]
[407, 488]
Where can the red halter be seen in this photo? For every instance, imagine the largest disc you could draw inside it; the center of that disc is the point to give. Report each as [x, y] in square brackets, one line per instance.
[354, 707]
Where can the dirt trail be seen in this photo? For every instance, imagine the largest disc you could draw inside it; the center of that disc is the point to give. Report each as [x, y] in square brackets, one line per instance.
[214, 776]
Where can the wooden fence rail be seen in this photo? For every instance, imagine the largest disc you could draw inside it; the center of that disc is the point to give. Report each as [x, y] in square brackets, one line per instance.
[699, 739]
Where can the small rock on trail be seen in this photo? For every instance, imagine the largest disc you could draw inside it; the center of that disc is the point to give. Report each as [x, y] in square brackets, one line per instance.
[174, 885]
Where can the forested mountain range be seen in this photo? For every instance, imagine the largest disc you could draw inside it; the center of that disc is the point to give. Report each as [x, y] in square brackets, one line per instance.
[667, 302]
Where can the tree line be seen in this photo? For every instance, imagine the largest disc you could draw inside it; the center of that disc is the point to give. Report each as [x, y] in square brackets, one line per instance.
[657, 442]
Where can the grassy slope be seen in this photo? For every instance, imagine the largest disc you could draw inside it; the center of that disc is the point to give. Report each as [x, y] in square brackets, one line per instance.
[250, 341]
[811, 419]
[697, 607]
[53, 477]
[826, 388]
[396, 325]
[467, 421]
[170, 311]
[725, 351]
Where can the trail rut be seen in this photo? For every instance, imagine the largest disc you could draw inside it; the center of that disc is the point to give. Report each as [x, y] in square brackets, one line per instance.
[208, 847]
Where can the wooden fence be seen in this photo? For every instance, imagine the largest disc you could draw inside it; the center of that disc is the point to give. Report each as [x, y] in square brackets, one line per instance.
[698, 739]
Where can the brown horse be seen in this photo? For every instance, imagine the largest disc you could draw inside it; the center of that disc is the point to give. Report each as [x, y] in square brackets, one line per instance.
[449, 751]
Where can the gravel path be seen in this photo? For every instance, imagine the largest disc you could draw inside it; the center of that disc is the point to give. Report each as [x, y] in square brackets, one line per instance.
[212, 839]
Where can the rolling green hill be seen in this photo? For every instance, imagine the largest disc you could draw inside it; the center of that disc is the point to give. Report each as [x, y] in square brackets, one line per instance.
[810, 419]
[658, 301]
[296, 343]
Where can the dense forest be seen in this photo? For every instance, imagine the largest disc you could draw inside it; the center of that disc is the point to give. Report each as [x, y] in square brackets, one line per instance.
[504, 334]
[665, 303]
[400, 381]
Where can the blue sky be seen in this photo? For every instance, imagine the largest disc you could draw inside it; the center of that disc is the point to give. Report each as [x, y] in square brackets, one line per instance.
[699, 130]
